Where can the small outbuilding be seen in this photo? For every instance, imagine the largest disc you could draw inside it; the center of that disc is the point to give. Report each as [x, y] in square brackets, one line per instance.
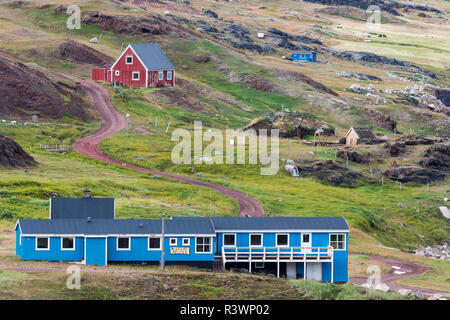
[357, 135]
[308, 56]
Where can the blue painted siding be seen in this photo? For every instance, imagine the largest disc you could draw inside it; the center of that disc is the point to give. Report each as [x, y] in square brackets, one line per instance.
[96, 251]
[340, 260]
[306, 57]
[29, 252]
[139, 251]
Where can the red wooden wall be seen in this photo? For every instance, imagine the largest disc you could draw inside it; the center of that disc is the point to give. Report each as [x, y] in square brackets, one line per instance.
[126, 71]
[99, 74]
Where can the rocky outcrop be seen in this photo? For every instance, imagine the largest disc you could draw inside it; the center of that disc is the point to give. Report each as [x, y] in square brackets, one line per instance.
[385, 5]
[441, 252]
[12, 154]
[443, 95]
[330, 172]
[398, 146]
[354, 156]
[132, 25]
[414, 174]
[75, 51]
[437, 157]
[368, 57]
[25, 91]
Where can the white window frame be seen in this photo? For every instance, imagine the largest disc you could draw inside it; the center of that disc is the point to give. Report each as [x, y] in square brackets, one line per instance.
[223, 240]
[186, 242]
[282, 245]
[337, 241]
[160, 75]
[123, 249]
[171, 240]
[43, 249]
[210, 245]
[67, 249]
[148, 244]
[132, 75]
[250, 240]
[169, 73]
[117, 72]
[126, 58]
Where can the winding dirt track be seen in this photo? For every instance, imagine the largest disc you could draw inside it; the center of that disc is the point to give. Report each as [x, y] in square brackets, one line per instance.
[114, 122]
[401, 269]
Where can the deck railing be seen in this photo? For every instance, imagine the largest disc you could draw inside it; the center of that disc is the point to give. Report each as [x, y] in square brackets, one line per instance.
[275, 254]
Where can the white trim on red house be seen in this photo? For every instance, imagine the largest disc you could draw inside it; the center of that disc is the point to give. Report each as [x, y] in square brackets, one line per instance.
[137, 56]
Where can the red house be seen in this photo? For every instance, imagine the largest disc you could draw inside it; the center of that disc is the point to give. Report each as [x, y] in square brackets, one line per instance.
[139, 65]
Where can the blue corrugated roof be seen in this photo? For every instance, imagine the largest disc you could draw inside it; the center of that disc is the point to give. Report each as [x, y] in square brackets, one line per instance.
[114, 227]
[152, 56]
[303, 52]
[77, 208]
[275, 223]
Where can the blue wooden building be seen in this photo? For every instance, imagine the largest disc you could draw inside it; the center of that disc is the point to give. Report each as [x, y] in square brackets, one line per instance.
[308, 56]
[85, 230]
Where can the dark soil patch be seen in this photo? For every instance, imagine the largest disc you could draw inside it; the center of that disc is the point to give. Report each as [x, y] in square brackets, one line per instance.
[12, 154]
[77, 52]
[300, 77]
[25, 91]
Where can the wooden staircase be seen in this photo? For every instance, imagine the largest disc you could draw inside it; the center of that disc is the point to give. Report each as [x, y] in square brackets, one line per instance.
[217, 264]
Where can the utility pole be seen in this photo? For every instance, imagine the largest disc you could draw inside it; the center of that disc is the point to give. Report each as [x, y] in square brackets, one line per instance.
[127, 116]
[162, 241]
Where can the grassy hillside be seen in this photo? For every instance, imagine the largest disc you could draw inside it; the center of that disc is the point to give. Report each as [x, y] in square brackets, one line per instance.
[225, 86]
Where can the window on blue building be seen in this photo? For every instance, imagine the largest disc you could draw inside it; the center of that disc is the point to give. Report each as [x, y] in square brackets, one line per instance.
[173, 241]
[186, 241]
[337, 241]
[229, 239]
[154, 243]
[123, 243]
[282, 240]
[256, 240]
[42, 244]
[203, 245]
[68, 243]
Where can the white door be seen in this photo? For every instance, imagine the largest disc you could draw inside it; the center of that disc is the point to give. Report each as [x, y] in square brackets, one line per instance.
[306, 242]
[314, 271]
[291, 270]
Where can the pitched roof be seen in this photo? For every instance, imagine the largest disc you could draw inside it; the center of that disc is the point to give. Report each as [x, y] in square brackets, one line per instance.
[364, 133]
[275, 223]
[114, 227]
[76, 208]
[152, 56]
[303, 52]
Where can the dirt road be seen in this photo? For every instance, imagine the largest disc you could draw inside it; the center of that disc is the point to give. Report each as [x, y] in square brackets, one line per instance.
[401, 269]
[114, 122]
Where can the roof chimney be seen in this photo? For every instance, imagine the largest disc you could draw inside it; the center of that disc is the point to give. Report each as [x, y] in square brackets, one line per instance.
[88, 219]
[87, 193]
[141, 225]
